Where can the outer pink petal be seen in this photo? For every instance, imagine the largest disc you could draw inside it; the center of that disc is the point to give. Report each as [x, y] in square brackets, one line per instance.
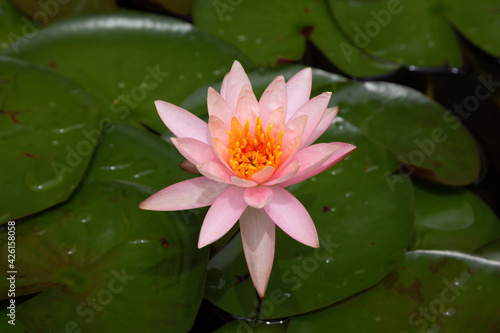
[194, 151]
[289, 150]
[258, 196]
[273, 97]
[314, 110]
[313, 156]
[277, 119]
[242, 182]
[289, 214]
[236, 79]
[218, 107]
[324, 123]
[223, 214]
[247, 108]
[218, 129]
[263, 175]
[221, 151]
[298, 91]
[223, 87]
[294, 128]
[215, 171]
[183, 123]
[344, 150]
[258, 238]
[188, 194]
[284, 174]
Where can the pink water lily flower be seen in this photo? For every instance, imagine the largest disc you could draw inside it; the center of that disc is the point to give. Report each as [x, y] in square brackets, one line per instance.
[248, 153]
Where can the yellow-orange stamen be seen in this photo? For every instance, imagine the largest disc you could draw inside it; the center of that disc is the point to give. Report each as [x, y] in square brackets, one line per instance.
[249, 155]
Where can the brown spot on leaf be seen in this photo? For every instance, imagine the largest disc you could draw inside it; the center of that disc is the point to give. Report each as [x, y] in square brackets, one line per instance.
[307, 30]
[11, 114]
[326, 209]
[371, 244]
[25, 153]
[306, 10]
[164, 243]
[392, 282]
[53, 64]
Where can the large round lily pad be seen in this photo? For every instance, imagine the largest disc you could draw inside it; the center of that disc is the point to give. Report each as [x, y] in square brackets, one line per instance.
[129, 60]
[452, 219]
[282, 31]
[44, 149]
[131, 154]
[426, 138]
[430, 291]
[101, 264]
[419, 33]
[363, 225]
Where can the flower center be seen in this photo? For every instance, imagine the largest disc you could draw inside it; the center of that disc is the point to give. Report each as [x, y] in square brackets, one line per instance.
[249, 155]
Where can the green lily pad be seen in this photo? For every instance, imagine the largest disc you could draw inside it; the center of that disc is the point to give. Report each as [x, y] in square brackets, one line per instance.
[430, 291]
[478, 22]
[129, 60]
[44, 118]
[241, 325]
[491, 251]
[424, 136]
[404, 32]
[13, 26]
[419, 33]
[45, 12]
[102, 264]
[7, 327]
[282, 31]
[128, 153]
[364, 228]
[452, 219]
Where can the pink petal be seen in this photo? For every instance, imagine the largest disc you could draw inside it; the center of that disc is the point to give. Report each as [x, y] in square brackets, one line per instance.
[284, 174]
[258, 196]
[236, 80]
[215, 171]
[289, 150]
[223, 214]
[324, 123]
[223, 87]
[183, 123]
[298, 91]
[289, 214]
[314, 109]
[273, 97]
[277, 119]
[295, 128]
[247, 108]
[258, 238]
[218, 129]
[242, 182]
[221, 151]
[313, 156]
[188, 194]
[344, 150]
[263, 175]
[218, 107]
[194, 151]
